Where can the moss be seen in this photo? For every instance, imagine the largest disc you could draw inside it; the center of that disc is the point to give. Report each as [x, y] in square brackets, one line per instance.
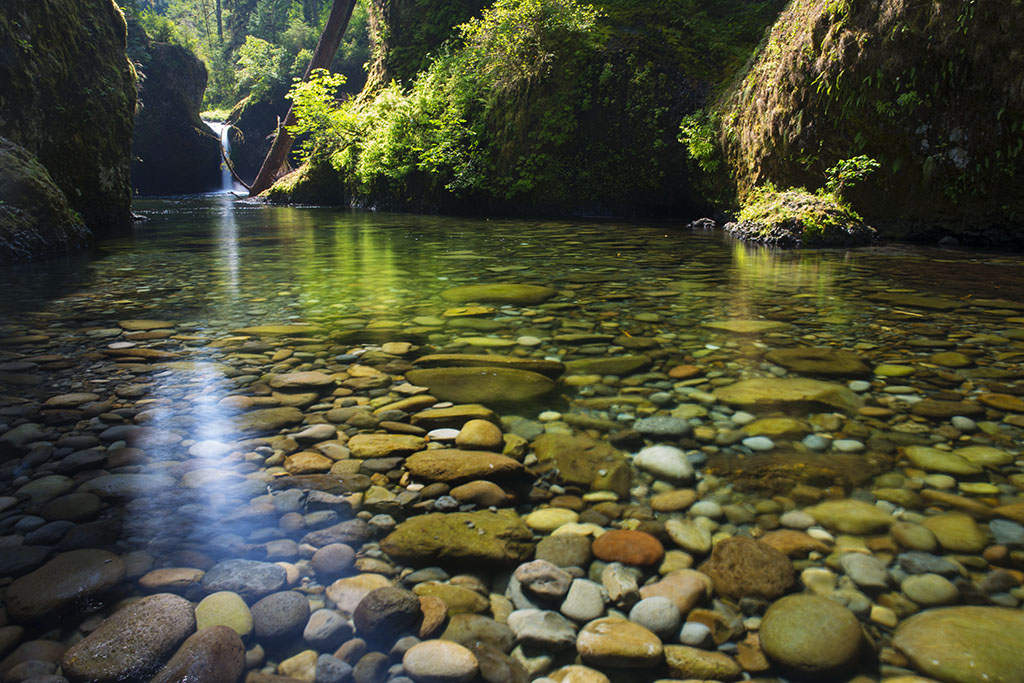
[309, 184]
[35, 216]
[67, 94]
[797, 218]
[930, 90]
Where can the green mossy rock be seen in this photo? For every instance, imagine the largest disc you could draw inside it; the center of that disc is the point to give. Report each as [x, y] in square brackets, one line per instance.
[549, 368]
[769, 393]
[266, 419]
[964, 644]
[461, 539]
[67, 93]
[812, 636]
[583, 461]
[614, 365]
[35, 216]
[490, 386]
[820, 361]
[515, 294]
[921, 89]
[797, 218]
[851, 516]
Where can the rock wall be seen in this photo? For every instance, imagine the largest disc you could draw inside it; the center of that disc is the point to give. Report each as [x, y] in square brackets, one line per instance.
[67, 97]
[34, 213]
[174, 151]
[932, 90]
[403, 33]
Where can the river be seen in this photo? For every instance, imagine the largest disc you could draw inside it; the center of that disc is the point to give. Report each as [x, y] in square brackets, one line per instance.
[228, 383]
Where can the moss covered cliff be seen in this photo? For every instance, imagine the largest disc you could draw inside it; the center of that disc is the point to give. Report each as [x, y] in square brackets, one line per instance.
[933, 90]
[67, 96]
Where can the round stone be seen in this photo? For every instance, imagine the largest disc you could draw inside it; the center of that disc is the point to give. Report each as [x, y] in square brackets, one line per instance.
[333, 559]
[280, 616]
[546, 520]
[628, 547]
[224, 608]
[930, 590]
[658, 615]
[386, 612]
[664, 462]
[565, 550]
[811, 635]
[440, 661]
[480, 434]
[248, 578]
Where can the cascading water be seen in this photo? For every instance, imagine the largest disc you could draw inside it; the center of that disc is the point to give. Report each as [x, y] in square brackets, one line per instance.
[223, 130]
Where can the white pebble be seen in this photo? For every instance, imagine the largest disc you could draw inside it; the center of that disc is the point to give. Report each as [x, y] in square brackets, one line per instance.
[759, 443]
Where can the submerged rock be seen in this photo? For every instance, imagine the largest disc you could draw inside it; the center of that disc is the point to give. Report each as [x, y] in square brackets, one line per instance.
[487, 385]
[461, 538]
[520, 295]
[964, 644]
[766, 393]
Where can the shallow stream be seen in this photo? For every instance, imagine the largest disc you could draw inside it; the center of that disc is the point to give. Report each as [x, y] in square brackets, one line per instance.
[229, 383]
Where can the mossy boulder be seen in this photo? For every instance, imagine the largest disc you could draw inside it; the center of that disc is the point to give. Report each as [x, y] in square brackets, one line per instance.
[490, 386]
[67, 96]
[922, 89]
[796, 218]
[174, 151]
[462, 539]
[35, 216]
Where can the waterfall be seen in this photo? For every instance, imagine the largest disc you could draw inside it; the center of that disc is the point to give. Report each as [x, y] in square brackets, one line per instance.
[223, 131]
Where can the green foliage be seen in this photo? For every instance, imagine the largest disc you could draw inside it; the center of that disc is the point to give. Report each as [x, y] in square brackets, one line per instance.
[453, 130]
[511, 45]
[699, 132]
[260, 66]
[796, 217]
[847, 173]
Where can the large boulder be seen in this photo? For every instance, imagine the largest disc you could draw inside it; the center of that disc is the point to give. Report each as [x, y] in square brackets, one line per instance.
[174, 151]
[67, 96]
[35, 216]
[920, 88]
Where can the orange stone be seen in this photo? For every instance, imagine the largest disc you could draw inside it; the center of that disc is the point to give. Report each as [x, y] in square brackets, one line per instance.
[628, 547]
[684, 371]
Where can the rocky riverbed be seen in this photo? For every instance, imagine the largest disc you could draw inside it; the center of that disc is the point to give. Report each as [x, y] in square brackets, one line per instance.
[514, 480]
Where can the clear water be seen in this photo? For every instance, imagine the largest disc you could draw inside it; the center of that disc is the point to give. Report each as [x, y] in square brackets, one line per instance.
[211, 265]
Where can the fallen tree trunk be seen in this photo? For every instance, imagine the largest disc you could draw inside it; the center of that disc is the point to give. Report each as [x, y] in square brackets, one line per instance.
[326, 48]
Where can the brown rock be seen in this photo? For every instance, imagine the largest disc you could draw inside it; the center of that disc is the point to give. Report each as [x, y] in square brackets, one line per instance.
[696, 664]
[483, 493]
[171, 579]
[452, 465]
[384, 445]
[793, 543]
[583, 461]
[741, 567]
[628, 547]
[481, 435]
[684, 587]
[615, 642]
[212, 655]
